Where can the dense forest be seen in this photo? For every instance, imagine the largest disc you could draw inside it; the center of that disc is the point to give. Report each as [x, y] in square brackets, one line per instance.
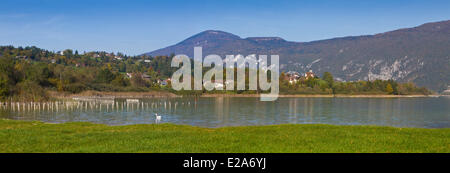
[29, 73]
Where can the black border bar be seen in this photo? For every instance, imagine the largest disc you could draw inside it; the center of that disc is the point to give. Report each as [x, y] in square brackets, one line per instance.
[273, 161]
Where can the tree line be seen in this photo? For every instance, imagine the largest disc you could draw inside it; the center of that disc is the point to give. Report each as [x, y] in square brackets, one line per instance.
[28, 73]
[327, 85]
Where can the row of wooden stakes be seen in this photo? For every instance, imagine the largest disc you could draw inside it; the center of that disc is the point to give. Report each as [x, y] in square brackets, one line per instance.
[73, 106]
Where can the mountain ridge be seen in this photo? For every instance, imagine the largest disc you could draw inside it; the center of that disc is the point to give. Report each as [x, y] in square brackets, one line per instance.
[419, 54]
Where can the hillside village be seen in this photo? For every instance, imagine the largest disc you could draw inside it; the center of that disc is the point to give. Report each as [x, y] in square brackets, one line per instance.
[294, 77]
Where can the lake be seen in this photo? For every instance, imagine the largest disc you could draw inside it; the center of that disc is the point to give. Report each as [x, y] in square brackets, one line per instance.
[232, 111]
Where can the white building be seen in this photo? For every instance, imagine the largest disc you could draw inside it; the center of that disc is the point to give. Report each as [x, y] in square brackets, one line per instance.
[117, 57]
[447, 91]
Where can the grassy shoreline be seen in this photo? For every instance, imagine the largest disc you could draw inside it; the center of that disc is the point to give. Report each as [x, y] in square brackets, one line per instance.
[33, 136]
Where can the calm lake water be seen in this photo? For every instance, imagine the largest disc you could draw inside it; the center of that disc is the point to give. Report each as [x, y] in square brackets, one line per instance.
[218, 112]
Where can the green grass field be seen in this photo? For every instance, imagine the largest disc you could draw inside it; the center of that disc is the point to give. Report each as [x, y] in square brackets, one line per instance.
[25, 136]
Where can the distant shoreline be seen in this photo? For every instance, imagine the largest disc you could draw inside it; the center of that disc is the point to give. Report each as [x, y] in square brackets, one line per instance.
[164, 94]
[106, 95]
[322, 95]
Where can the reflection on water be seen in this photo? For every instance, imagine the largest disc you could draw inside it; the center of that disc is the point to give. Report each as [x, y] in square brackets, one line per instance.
[220, 111]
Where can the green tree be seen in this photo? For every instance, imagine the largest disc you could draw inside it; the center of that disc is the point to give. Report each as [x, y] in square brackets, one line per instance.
[328, 78]
[138, 81]
[389, 89]
[4, 87]
[7, 70]
[120, 80]
[153, 75]
[105, 76]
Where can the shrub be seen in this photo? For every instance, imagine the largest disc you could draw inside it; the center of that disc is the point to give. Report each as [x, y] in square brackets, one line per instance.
[74, 87]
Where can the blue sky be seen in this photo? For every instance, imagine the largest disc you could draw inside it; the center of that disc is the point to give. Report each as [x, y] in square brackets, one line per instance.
[135, 27]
